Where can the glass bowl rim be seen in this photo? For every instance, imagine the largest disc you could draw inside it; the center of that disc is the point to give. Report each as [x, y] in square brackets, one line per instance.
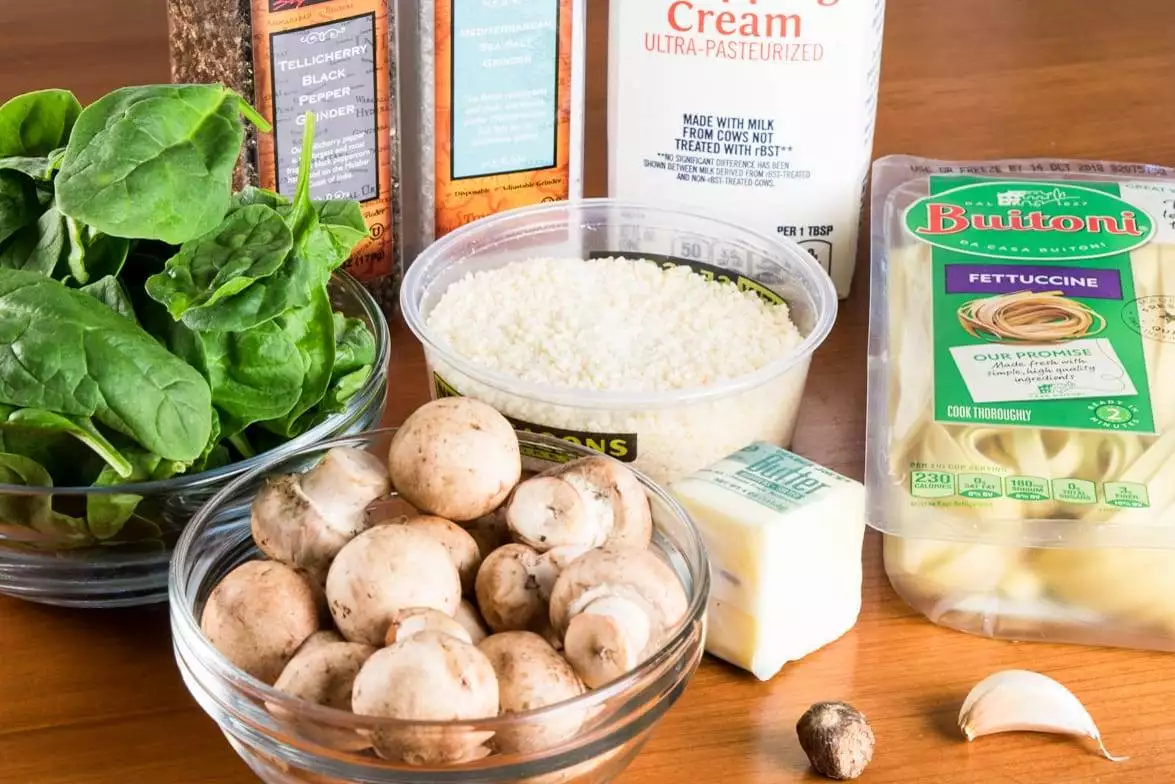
[366, 395]
[826, 304]
[186, 626]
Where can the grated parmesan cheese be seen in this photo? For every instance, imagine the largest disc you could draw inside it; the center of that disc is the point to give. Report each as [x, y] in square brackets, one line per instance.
[624, 325]
[611, 324]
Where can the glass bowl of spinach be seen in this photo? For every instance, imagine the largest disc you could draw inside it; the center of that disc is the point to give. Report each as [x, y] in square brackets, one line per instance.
[160, 334]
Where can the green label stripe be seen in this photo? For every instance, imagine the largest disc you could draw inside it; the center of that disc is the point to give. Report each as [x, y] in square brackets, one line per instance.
[1034, 302]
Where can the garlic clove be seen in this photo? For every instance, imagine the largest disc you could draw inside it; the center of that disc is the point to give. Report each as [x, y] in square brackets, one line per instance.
[1024, 701]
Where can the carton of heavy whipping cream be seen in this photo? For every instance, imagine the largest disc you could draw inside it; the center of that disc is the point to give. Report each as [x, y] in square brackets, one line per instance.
[759, 111]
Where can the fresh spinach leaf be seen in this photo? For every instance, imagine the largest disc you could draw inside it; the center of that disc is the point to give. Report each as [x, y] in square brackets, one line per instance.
[344, 222]
[38, 247]
[355, 352]
[107, 514]
[110, 293]
[251, 194]
[354, 345]
[295, 281]
[34, 168]
[217, 457]
[34, 512]
[249, 245]
[312, 330]
[154, 162]
[255, 375]
[105, 255]
[301, 214]
[23, 510]
[37, 123]
[77, 427]
[342, 389]
[290, 287]
[63, 351]
[202, 462]
[18, 203]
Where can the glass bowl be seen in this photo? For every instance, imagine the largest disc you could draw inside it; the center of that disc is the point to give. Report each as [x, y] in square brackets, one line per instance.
[316, 744]
[63, 567]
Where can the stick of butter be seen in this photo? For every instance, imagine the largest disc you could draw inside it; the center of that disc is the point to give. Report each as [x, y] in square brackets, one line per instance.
[784, 537]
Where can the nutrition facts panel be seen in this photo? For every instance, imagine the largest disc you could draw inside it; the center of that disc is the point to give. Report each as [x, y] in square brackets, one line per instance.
[940, 485]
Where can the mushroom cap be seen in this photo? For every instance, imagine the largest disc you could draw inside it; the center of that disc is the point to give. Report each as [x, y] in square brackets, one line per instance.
[385, 569]
[288, 527]
[489, 531]
[456, 458]
[318, 639]
[324, 674]
[259, 615]
[508, 590]
[462, 547]
[551, 564]
[470, 619]
[532, 675]
[415, 620]
[632, 517]
[639, 576]
[428, 677]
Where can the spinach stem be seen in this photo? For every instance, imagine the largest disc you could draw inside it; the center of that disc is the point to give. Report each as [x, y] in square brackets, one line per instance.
[242, 445]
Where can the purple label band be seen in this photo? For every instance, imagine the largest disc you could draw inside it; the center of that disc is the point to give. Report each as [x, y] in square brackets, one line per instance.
[1010, 278]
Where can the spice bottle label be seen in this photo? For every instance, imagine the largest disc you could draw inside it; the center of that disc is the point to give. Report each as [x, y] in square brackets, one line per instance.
[331, 58]
[503, 107]
[1036, 319]
[759, 112]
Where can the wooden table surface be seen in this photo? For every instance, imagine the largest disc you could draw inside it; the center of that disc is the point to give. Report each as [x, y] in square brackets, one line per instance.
[94, 697]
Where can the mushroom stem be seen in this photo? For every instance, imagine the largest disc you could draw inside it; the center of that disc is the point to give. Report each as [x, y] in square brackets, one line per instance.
[606, 639]
[408, 623]
[547, 512]
[345, 482]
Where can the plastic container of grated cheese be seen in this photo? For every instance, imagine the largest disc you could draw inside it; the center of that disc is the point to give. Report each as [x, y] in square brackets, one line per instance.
[665, 434]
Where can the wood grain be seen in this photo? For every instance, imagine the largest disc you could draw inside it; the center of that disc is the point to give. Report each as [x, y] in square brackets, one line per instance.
[94, 698]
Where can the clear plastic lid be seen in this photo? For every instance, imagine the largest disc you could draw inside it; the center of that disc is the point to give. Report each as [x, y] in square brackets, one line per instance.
[1022, 353]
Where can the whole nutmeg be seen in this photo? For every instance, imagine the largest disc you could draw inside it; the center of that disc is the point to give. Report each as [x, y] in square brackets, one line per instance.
[837, 739]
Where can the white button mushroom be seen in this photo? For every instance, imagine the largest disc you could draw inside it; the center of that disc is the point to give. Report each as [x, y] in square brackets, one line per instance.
[259, 615]
[514, 585]
[385, 569]
[613, 609]
[430, 676]
[590, 502]
[489, 531]
[532, 675]
[461, 545]
[323, 673]
[471, 621]
[406, 623]
[305, 520]
[456, 458]
[318, 639]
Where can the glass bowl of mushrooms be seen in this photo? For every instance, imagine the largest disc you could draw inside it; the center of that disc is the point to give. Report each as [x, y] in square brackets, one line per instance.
[448, 601]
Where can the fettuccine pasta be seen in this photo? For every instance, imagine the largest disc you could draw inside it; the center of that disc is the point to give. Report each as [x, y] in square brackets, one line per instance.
[1067, 526]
